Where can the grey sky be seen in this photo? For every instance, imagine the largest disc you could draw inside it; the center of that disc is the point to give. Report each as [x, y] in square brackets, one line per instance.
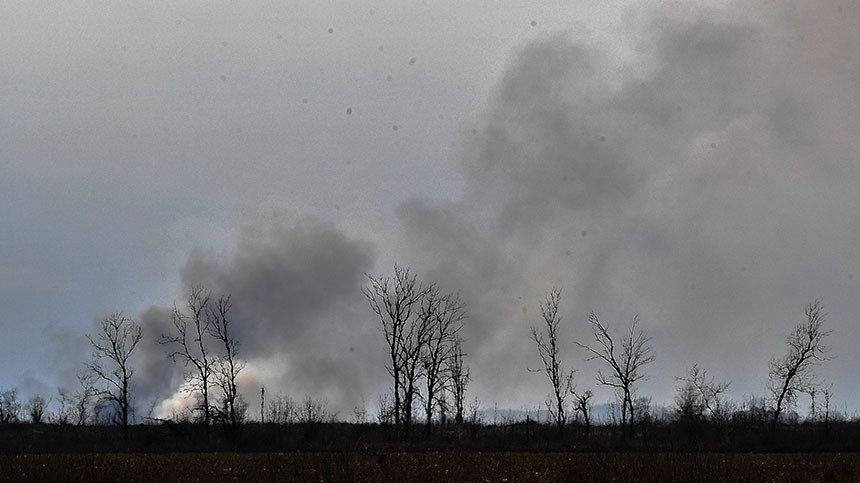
[694, 165]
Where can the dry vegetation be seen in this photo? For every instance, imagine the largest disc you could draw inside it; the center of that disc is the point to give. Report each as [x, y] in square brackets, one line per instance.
[433, 466]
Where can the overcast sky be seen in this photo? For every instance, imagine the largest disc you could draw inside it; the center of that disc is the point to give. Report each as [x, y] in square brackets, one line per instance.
[695, 165]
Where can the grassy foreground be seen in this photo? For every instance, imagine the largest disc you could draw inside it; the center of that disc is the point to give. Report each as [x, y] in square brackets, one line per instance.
[432, 466]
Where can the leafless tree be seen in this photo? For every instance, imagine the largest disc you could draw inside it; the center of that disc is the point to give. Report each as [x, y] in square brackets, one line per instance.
[359, 415]
[582, 405]
[827, 392]
[626, 363]
[36, 407]
[445, 315]
[71, 404]
[282, 410]
[10, 408]
[395, 301]
[313, 411]
[793, 373]
[190, 344]
[707, 393]
[416, 337]
[385, 411]
[689, 410]
[459, 375]
[113, 347]
[547, 342]
[83, 398]
[231, 409]
[64, 412]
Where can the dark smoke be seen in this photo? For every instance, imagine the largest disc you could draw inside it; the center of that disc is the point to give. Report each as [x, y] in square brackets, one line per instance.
[296, 294]
[707, 185]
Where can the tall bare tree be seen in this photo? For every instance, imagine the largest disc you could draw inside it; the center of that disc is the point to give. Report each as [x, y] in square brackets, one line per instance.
[413, 343]
[793, 373]
[189, 341]
[547, 342]
[113, 347]
[459, 376]
[626, 363]
[445, 314]
[226, 368]
[395, 302]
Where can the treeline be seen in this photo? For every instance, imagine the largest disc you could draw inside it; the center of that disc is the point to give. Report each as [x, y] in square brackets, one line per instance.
[421, 325]
[657, 430]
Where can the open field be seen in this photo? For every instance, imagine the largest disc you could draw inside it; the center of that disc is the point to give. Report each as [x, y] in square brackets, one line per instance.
[433, 466]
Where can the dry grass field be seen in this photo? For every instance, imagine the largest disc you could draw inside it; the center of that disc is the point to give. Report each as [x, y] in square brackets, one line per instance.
[432, 466]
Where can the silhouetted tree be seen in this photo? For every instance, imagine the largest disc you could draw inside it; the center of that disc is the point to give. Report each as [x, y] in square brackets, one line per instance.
[190, 341]
[689, 409]
[113, 347]
[282, 410]
[83, 398]
[385, 410]
[313, 411]
[707, 393]
[64, 411]
[793, 373]
[416, 336]
[445, 314]
[827, 392]
[626, 363]
[35, 408]
[231, 409]
[395, 302]
[460, 377]
[547, 342]
[582, 405]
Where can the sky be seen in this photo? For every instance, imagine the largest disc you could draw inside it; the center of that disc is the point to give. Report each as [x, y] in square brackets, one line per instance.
[694, 164]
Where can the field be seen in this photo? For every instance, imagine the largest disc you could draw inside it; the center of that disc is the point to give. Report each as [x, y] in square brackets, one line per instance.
[432, 466]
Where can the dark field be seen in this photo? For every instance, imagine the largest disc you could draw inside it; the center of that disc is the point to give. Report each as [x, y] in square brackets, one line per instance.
[433, 466]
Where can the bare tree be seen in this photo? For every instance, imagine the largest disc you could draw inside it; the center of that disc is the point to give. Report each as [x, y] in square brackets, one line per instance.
[547, 341]
[313, 411]
[113, 347]
[827, 391]
[231, 409]
[10, 408]
[36, 407]
[192, 331]
[793, 373]
[445, 314]
[416, 337]
[64, 412]
[582, 405]
[707, 393]
[395, 302]
[83, 398]
[459, 375]
[689, 410]
[626, 363]
[282, 410]
[385, 411]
